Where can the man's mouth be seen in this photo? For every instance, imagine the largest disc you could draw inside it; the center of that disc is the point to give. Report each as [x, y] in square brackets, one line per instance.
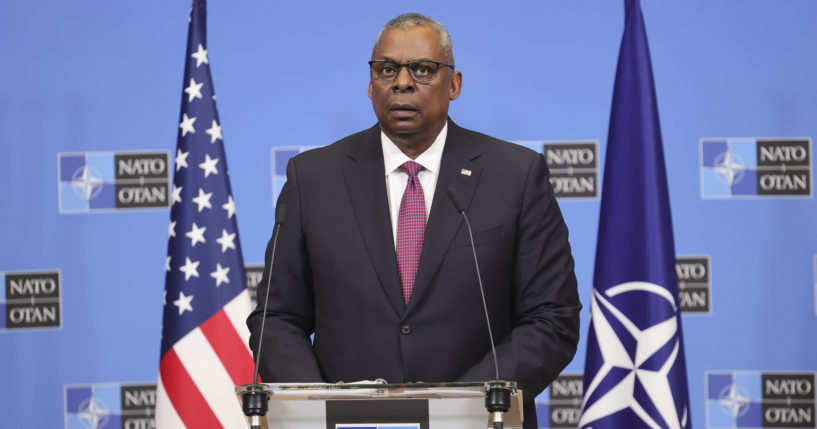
[401, 110]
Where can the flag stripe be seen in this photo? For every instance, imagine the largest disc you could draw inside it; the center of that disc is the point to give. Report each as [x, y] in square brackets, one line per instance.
[226, 343]
[184, 395]
[166, 415]
[237, 311]
[210, 376]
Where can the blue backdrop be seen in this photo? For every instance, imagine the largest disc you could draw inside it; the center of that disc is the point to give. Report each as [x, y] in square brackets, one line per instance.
[101, 76]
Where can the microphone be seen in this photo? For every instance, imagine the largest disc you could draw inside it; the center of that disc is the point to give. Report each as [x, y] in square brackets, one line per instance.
[254, 401]
[498, 396]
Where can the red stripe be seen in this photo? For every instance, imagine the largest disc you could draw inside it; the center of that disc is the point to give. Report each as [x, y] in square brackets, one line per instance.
[190, 405]
[229, 347]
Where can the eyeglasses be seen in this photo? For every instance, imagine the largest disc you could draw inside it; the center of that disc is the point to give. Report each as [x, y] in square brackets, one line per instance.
[420, 70]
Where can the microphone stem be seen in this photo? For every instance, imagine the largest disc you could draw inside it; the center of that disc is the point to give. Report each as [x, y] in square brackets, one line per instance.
[266, 300]
[482, 292]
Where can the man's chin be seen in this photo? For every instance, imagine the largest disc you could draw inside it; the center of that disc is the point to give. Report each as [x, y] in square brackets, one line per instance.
[402, 128]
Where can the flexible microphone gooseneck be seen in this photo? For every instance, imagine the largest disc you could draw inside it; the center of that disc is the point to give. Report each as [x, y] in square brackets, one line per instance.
[498, 396]
[254, 402]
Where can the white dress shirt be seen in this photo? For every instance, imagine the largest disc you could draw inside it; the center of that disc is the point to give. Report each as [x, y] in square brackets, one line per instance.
[397, 179]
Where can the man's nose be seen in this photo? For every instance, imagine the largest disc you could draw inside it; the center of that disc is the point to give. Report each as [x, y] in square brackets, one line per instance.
[403, 80]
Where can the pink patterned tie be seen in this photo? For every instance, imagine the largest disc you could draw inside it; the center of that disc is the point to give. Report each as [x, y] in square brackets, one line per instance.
[411, 224]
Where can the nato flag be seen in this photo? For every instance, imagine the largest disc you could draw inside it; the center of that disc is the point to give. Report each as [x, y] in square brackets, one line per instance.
[635, 372]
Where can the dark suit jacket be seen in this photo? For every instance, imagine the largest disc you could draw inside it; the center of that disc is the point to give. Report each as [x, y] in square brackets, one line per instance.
[336, 272]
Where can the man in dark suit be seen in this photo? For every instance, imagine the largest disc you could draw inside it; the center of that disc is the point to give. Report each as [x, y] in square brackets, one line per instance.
[375, 260]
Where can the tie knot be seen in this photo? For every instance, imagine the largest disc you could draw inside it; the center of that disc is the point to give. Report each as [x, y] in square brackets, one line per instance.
[412, 168]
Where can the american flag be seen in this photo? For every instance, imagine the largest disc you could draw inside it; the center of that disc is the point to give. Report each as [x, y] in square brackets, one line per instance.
[205, 351]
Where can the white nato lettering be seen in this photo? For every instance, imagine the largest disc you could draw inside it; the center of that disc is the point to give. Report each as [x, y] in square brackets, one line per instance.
[564, 416]
[690, 271]
[571, 388]
[138, 423]
[788, 387]
[140, 398]
[573, 184]
[42, 286]
[788, 415]
[690, 299]
[32, 315]
[581, 156]
[783, 153]
[140, 195]
[142, 166]
[783, 182]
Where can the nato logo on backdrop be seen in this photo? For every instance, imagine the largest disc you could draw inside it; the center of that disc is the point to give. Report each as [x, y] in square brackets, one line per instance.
[110, 406]
[574, 169]
[694, 283]
[573, 166]
[32, 300]
[564, 404]
[756, 167]
[753, 399]
[110, 181]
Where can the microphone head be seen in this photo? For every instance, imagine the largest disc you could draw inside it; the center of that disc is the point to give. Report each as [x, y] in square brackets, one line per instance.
[452, 195]
[280, 213]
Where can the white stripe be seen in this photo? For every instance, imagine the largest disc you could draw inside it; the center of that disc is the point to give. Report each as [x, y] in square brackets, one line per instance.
[166, 415]
[211, 378]
[237, 311]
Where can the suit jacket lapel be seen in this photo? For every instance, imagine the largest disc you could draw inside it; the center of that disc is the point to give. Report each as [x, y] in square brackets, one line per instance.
[366, 186]
[444, 221]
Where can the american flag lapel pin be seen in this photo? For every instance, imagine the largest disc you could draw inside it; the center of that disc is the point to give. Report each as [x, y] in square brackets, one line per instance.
[465, 172]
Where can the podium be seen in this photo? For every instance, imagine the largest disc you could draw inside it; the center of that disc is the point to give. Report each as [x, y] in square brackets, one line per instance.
[371, 405]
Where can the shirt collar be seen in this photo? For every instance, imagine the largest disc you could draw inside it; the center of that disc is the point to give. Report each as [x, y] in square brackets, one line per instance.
[393, 157]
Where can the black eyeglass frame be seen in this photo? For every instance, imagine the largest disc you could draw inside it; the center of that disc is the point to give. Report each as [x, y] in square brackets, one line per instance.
[406, 65]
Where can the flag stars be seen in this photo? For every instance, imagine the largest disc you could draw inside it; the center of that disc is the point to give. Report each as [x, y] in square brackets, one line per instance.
[220, 274]
[167, 264]
[177, 194]
[227, 241]
[229, 206]
[215, 132]
[209, 166]
[187, 125]
[200, 56]
[171, 229]
[190, 269]
[181, 159]
[183, 303]
[193, 90]
[196, 235]
[203, 200]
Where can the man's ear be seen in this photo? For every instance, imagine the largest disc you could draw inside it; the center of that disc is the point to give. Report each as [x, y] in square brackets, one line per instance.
[456, 86]
[370, 89]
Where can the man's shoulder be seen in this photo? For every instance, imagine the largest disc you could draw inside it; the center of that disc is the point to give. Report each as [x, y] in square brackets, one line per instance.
[495, 147]
[347, 145]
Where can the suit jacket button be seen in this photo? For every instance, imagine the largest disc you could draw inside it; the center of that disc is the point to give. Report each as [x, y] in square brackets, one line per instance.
[406, 329]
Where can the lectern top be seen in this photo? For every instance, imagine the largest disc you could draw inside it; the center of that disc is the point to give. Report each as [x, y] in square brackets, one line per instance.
[371, 389]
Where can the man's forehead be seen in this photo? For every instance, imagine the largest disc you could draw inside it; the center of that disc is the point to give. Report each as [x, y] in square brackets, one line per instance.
[411, 43]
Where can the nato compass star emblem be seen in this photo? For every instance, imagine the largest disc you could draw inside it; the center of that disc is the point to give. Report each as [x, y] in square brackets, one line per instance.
[729, 168]
[734, 400]
[636, 358]
[87, 182]
[93, 413]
